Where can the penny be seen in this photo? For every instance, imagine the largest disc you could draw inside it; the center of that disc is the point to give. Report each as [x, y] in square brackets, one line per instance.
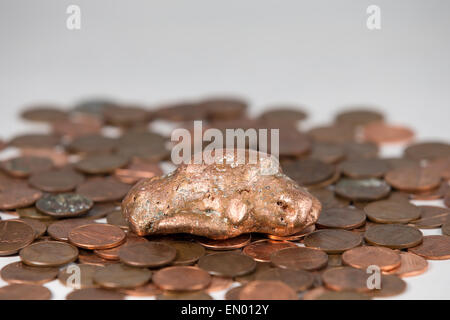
[125, 116]
[89, 257]
[35, 141]
[435, 247]
[18, 197]
[341, 218]
[113, 253]
[324, 294]
[233, 293]
[411, 265]
[333, 134]
[85, 279]
[433, 194]
[382, 133]
[327, 152]
[147, 254]
[328, 199]
[391, 285]
[64, 205]
[119, 276]
[145, 146]
[23, 167]
[48, 254]
[227, 264]
[299, 280]
[17, 272]
[20, 291]
[413, 179]
[14, 235]
[198, 295]
[394, 236]
[299, 258]
[95, 294]
[116, 218]
[147, 290]
[358, 150]
[38, 227]
[59, 230]
[364, 168]
[446, 228]
[226, 244]
[56, 180]
[308, 171]
[362, 189]
[77, 126]
[96, 236]
[103, 189]
[441, 166]
[358, 117]
[101, 164]
[267, 290]
[333, 240]
[101, 210]
[363, 257]
[182, 278]
[181, 111]
[219, 284]
[262, 249]
[137, 171]
[44, 114]
[293, 237]
[388, 211]
[93, 107]
[94, 143]
[284, 114]
[394, 163]
[427, 150]
[260, 268]
[32, 213]
[223, 108]
[346, 278]
[187, 252]
[431, 217]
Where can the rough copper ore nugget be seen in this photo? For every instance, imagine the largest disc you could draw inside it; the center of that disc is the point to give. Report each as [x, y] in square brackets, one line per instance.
[221, 200]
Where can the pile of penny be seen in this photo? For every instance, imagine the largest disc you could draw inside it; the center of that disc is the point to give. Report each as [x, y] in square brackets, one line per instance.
[61, 197]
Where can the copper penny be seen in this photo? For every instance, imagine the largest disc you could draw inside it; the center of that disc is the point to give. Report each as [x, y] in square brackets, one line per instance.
[413, 179]
[97, 236]
[338, 133]
[363, 257]
[219, 284]
[93, 143]
[227, 264]
[59, 230]
[147, 254]
[388, 211]
[44, 113]
[433, 248]
[267, 290]
[223, 108]
[146, 146]
[293, 237]
[56, 180]
[333, 240]
[125, 116]
[262, 249]
[18, 197]
[67, 276]
[197, 295]
[358, 116]
[227, 244]
[299, 280]
[35, 141]
[346, 278]
[48, 254]
[260, 268]
[182, 278]
[14, 235]
[23, 167]
[321, 293]
[116, 218]
[446, 228]
[308, 171]
[357, 150]
[17, 272]
[101, 210]
[327, 152]
[20, 291]
[103, 189]
[427, 150]
[299, 258]
[394, 236]
[328, 199]
[431, 217]
[95, 294]
[362, 189]
[411, 265]
[391, 285]
[382, 133]
[101, 164]
[188, 252]
[39, 227]
[341, 218]
[89, 257]
[233, 293]
[119, 276]
[113, 253]
[147, 290]
[137, 171]
[33, 213]
[364, 168]
[64, 205]
[283, 114]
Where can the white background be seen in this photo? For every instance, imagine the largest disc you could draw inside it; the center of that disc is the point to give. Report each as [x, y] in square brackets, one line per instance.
[318, 54]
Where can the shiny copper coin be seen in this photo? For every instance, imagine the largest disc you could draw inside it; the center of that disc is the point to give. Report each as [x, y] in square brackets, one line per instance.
[64, 205]
[219, 284]
[433, 248]
[35, 141]
[333, 240]
[382, 133]
[327, 152]
[262, 249]
[18, 291]
[411, 265]
[362, 257]
[101, 164]
[233, 293]
[197, 295]
[227, 244]
[116, 218]
[346, 278]
[188, 252]
[147, 254]
[95, 294]
[299, 280]
[182, 278]
[48, 254]
[446, 228]
[56, 180]
[113, 253]
[328, 199]
[103, 189]
[17, 272]
[92, 144]
[299, 258]
[137, 171]
[23, 167]
[96, 236]
[78, 276]
[39, 227]
[59, 230]
[341, 218]
[388, 211]
[101, 210]
[362, 189]
[14, 235]
[427, 150]
[293, 237]
[309, 171]
[267, 290]
[394, 236]
[391, 285]
[364, 168]
[18, 197]
[227, 264]
[147, 290]
[413, 179]
[431, 217]
[119, 276]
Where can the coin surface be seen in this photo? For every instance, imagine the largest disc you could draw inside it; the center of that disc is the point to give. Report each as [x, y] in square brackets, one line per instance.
[446, 228]
[362, 257]
[346, 279]
[262, 249]
[24, 166]
[15, 197]
[358, 116]
[101, 210]
[48, 254]
[267, 290]
[283, 114]
[388, 211]
[394, 236]
[391, 285]
[219, 284]
[431, 217]
[17, 272]
[364, 168]
[35, 141]
[96, 236]
[14, 235]
[435, 247]
[103, 189]
[94, 143]
[411, 265]
[227, 264]
[188, 252]
[299, 258]
[85, 273]
[341, 218]
[182, 278]
[427, 150]
[260, 267]
[227, 244]
[328, 199]
[137, 171]
[333, 240]
[20, 291]
[147, 290]
[327, 152]
[113, 253]
[116, 218]
[337, 133]
[44, 113]
[233, 293]
[118, 276]
[413, 179]
[197, 295]
[299, 280]
[382, 133]
[308, 171]
[33, 213]
[55, 180]
[39, 227]
[101, 164]
[64, 205]
[321, 293]
[95, 294]
[362, 189]
[293, 237]
[147, 254]
[59, 230]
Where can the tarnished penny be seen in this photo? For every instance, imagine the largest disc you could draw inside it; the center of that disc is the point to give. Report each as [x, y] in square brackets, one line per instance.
[413, 179]
[103, 189]
[17, 272]
[95, 294]
[328, 199]
[299, 258]
[23, 167]
[333, 240]
[96, 236]
[35, 141]
[364, 168]
[92, 144]
[382, 133]
[321, 293]
[113, 253]
[227, 264]
[145, 146]
[101, 164]
[44, 113]
[89, 257]
[147, 290]
[338, 133]
[227, 244]
[308, 171]
[119, 276]
[267, 290]
[86, 276]
[362, 189]
[14, 235]
[18, 197]
[59, 230]
[360, 150]
[346, 278]
[33, 213]
[260, 268]
[233, 293]
[39, 227]
[431, 217]
[358, 116]
[435, 247]
[188, 252]
[411, 265]
[262, 249]
[394, 236]
[388, 211]
[182, 278]
[56, 180]
[125, 116]
[299, 280]
[293, 237]
[391, 285]
[64, 205]
[428, 150]
[362, 257]
[327, 152]
[196, 295]
[101, 210]
[341, 218]
[147, 254]
[116, 218]
[21, 291]
[48, 254]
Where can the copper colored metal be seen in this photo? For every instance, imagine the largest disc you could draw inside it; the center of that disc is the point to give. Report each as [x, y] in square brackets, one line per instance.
[56, 180]
[17, 272]
[429, 150]
[147, 290]
[433, 248]
[299, 280]
[137, 171]
[391, 285]
[14, 235]
[299, 258]
[262, 249]
[446, 228]
[363, 257]
[113, 253]
[341, 218]
[233, 294]
[147, 254]
[226, 244]
[96, 236]
[219, 284]
[227, 264]
[413, 179]
[103, 189]
[18, 291]
[411, 265]
[95, 294]
[293, 237]
[333, 240]
[267, 290]
[182, 278]
[394, 236]
[346, 278]
[22, 167]
[382, 133]
[362, 189]
[86, 273]
[388, 211]
[60, 230]
[18, 197]
[119, 276]
[48, 254]
[431, 217]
